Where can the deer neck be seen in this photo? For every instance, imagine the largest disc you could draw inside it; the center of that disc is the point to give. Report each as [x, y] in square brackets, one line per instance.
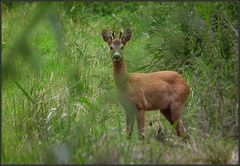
[120, 74]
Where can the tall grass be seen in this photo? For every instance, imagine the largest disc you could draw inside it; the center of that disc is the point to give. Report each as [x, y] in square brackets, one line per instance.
[67, 111]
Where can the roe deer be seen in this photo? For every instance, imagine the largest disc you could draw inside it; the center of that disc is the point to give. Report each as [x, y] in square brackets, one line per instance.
[166, 91]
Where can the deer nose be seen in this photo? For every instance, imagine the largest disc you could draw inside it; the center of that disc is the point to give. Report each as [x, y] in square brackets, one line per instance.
[116, 56]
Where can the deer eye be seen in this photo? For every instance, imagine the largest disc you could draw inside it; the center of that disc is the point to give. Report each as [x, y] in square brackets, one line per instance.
[122, 47]
[111, 47]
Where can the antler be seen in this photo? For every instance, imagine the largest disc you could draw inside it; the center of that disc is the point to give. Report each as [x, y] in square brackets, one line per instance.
[120, 35]
[113, 34]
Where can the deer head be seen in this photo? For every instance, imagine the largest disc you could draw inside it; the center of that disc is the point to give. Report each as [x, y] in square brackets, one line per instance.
[116, 45]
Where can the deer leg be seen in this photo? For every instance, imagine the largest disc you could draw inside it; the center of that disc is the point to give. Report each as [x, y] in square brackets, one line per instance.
[130, 111]
[141, 122]
[176, 116]
[129, 123]
[167, 113]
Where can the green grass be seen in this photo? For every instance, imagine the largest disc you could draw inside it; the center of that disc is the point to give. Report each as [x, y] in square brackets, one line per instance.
[68, 112]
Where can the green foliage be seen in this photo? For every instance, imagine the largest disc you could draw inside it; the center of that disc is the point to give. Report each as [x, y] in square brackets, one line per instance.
[67, 111]
[203, 42]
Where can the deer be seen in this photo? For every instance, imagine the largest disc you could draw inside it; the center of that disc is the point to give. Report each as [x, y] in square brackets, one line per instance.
[165, 91]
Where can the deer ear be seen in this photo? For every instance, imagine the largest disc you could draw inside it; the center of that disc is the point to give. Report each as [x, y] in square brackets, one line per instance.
[107, 37]
[126, 36]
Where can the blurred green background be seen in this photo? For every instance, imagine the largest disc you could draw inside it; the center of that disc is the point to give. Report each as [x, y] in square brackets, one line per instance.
[59, 101]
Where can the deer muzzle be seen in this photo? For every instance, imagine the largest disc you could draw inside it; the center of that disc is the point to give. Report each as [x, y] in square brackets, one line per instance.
[116, 57]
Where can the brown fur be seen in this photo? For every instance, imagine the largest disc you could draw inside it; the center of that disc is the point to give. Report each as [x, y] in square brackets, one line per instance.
[166, 91]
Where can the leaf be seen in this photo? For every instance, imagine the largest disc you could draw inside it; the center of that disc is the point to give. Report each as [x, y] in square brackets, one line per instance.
[24, 92]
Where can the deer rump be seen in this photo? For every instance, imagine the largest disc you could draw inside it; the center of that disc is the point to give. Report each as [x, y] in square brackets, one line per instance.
[154, 91]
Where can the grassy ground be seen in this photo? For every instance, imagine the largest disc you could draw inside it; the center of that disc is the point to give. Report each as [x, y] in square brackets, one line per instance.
[59, 101]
